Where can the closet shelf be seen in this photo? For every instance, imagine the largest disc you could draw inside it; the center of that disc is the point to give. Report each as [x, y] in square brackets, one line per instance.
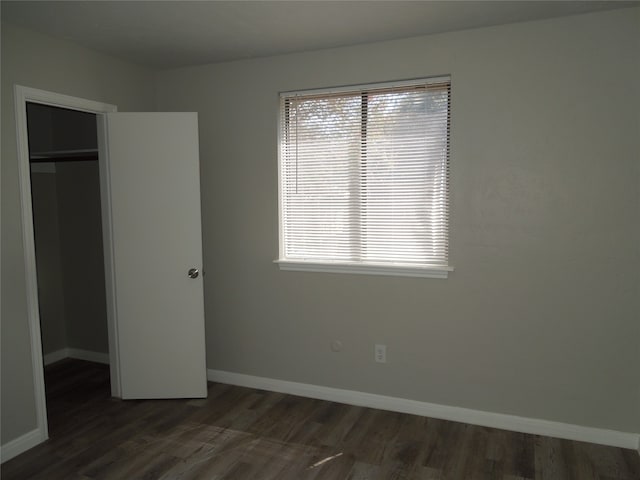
[64, 155]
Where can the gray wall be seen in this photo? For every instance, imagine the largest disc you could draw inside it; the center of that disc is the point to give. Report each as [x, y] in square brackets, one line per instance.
[82, 255]
[44, 199]
[39, 61]
[540, 318]
[69, 257]
[39, 121]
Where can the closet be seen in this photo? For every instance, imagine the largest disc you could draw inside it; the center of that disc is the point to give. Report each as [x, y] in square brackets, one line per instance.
[65, 189]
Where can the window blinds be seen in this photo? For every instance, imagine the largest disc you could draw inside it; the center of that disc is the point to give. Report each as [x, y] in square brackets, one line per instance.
[364, 174]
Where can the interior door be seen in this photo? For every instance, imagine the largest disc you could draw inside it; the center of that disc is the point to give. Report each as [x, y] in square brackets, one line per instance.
[156, 252]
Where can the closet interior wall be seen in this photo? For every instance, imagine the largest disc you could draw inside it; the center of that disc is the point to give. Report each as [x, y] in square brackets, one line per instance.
[68, 230]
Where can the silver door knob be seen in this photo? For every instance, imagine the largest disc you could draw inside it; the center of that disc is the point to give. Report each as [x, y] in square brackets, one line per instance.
[193, 273]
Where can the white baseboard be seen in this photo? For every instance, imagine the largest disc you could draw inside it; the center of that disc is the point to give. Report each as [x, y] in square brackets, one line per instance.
[97, 357]
[457, 414]
[56, 356]
[89, 356]
[21, 444]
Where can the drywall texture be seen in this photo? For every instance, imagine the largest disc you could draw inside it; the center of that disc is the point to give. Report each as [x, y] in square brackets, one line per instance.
[47, 243]
[39, 61]
[540, 317]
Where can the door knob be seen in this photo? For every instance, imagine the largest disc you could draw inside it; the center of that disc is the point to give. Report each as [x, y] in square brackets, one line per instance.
[193, 273]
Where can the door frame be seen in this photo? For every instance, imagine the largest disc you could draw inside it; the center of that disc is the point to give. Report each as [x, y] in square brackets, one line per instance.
[22, 95]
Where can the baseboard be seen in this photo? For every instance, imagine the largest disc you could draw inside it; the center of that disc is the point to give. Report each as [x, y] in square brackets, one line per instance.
[89, 356]
[56, 356]
[21, 444]
[97, 357]
[457, 414]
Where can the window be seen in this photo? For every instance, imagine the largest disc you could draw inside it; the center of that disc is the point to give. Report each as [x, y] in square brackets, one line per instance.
[364, 177]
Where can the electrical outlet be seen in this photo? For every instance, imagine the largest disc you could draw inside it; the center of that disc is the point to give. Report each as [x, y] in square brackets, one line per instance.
[380, 353]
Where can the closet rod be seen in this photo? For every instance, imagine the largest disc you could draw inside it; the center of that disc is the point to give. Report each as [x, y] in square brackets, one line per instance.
[64, 156]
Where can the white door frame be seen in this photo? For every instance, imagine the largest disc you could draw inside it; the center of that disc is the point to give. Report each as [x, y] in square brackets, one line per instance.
[23, 95]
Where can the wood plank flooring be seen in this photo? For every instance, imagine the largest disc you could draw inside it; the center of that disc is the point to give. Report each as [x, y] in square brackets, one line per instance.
[241, 433]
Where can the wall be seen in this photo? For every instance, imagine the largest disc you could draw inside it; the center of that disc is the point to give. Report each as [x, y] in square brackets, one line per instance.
[69, 256]
[39, 61]
[44, 198]
[82, 255]
[540, 317]
[39, 119]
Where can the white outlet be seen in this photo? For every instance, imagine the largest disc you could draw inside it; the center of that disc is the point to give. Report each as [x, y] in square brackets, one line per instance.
[380, 353]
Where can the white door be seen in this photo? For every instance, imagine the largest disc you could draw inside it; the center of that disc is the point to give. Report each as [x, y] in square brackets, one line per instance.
[154, 188]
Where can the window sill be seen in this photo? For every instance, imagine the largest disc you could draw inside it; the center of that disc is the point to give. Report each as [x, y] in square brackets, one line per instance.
[362, 269]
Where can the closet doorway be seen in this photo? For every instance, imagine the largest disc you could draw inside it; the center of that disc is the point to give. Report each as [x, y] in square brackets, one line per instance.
[67, 221]
[43, 107]
[69, 255]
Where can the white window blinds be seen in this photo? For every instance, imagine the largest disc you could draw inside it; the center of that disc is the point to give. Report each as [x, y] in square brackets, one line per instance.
[364, 175]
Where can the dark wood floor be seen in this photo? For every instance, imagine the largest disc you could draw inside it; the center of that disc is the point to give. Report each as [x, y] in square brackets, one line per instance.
[241, 433]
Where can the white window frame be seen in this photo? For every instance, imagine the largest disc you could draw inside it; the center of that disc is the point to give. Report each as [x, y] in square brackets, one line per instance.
[327, 266]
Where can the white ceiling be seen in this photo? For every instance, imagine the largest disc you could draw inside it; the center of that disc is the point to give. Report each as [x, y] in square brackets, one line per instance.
[165, 34]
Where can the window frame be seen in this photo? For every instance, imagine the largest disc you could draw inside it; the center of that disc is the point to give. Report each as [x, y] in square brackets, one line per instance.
[341, 266]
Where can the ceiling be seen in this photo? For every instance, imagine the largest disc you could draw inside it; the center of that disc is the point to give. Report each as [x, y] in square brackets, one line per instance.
[166, 34]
